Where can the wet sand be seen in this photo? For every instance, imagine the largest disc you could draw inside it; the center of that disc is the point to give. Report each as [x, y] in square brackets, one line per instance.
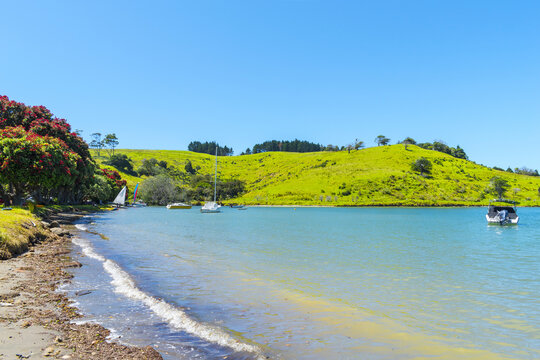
[36, 322]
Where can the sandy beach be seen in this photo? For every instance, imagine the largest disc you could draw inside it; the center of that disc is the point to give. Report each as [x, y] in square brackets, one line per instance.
[36, 321]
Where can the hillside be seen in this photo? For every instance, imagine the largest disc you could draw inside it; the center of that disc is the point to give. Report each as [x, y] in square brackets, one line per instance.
[372, 176]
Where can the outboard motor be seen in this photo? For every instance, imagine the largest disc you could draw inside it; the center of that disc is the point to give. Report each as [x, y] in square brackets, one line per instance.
[503, 216]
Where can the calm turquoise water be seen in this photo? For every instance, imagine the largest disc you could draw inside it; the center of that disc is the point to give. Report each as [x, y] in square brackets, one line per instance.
[314, 283]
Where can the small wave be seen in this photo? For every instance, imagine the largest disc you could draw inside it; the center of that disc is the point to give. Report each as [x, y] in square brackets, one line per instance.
[81, 227]
[87, 249]
[113, 334]
[124, 284]
[84, 321]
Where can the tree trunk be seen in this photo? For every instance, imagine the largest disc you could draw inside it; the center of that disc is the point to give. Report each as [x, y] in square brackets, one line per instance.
[18, 195]
[5, 196]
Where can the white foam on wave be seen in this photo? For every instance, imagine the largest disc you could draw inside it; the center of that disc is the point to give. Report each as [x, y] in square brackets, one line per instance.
[124, 284]
[87, 249]
[81, 227]
[84, 321]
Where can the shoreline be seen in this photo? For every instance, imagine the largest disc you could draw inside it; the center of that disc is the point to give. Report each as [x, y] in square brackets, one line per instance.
[375, 206]
[36, 320]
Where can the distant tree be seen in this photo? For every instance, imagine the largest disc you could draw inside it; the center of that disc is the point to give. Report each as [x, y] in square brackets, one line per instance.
[440, 146]
[382, 140]
[459, 153]
[422, 165]
[202, 188]
[96, 142]
[409, 140]
[158, 190]
[189, 168]
[498, 186]
[526, 171]
[331, 147]
[121, 162]
[497, 168]
[426, 145]
[150, 167]
[509, 170]
[230, 189]
[209, 148]
[111, 141]
[358, 144]
[286, 145]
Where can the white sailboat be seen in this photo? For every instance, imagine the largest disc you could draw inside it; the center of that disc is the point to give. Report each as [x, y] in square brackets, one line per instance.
[120, 199]
[212, 206]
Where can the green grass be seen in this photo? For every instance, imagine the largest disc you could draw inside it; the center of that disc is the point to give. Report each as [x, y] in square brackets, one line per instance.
[14, 237]
[372, 176]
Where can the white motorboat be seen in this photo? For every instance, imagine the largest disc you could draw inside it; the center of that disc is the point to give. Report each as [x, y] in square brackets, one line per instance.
[501, 214]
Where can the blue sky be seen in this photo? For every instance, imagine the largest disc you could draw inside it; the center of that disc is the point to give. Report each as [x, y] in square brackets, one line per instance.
[163, 73]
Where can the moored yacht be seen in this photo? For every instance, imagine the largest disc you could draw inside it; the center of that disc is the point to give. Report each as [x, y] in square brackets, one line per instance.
[212, 206]
[501, 214]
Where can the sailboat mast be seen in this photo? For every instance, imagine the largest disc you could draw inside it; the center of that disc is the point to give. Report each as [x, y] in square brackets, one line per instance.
[215, 177]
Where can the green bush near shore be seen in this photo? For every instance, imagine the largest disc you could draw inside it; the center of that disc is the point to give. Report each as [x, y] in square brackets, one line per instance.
[377, 176]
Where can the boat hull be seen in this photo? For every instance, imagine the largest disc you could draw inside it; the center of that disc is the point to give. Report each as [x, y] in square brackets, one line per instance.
[178, 206]
[497, 221]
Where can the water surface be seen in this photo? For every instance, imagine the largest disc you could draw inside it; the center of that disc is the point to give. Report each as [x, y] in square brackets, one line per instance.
[315, 283]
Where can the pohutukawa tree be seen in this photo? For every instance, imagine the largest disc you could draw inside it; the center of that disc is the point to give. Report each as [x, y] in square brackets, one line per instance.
[40, 155]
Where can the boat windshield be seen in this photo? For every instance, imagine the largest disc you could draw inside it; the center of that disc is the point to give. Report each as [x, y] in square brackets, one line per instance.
[494, 208]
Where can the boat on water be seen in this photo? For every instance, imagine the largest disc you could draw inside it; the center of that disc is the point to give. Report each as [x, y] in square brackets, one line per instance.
[212, 206]
[238, 207]
[501, 213]
[179, 206]
[137, 203]
[120, 199]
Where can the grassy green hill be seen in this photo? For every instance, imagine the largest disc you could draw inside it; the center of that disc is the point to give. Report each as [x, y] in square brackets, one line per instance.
[372, 176]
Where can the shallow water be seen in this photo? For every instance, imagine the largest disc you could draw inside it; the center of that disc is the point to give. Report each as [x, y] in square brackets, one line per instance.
[314, 283]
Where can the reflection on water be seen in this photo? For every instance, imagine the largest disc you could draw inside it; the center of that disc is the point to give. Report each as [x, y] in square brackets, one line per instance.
[376, 283]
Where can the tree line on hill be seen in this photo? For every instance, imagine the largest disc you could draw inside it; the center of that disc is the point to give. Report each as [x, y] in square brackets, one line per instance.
[303, 146]
[43, 160]
[296, 145]
[521, 171]
[210, 148]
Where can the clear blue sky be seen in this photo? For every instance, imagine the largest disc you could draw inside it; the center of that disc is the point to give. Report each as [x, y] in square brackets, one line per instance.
[163, 73]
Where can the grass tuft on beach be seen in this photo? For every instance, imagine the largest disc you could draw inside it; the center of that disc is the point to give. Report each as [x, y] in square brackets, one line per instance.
[19, 228]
